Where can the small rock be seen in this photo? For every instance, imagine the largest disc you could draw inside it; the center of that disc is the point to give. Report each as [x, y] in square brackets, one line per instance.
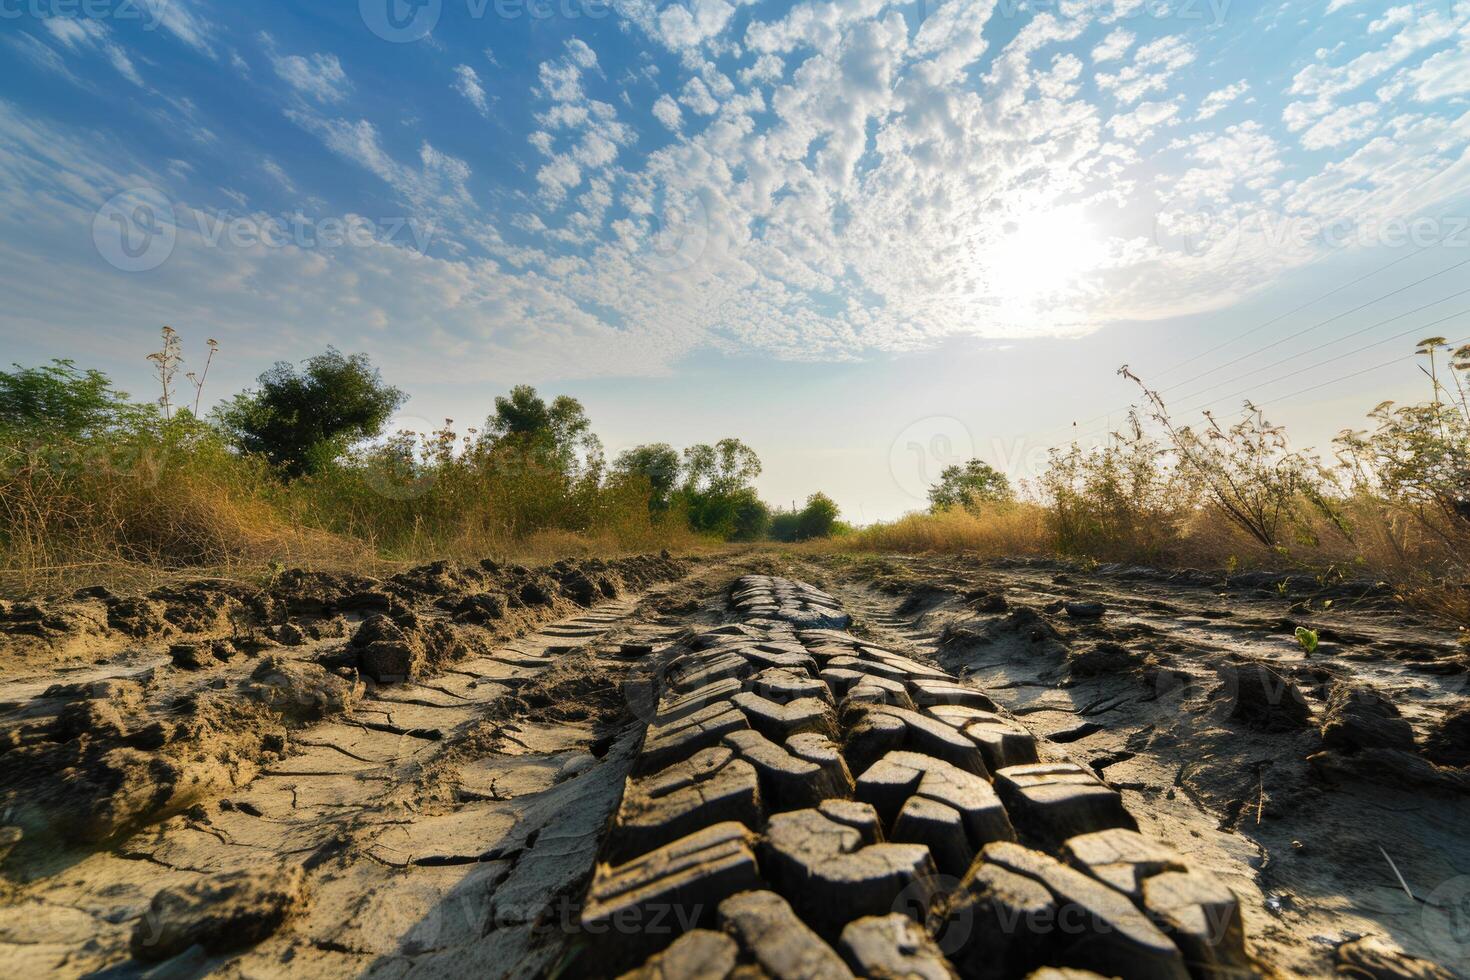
[1085, 610]
[1263, 698]
[192, 656]
[220, 913]
[1106, 657]
[1448, 744]
[1361, 718]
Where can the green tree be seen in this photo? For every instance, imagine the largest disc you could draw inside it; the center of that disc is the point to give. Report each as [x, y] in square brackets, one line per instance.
[558, 434]
[722, 469]
[969, 485]
[717, 490]
[59, 399]
[657, 463]
[818, 518]
[752, 517]
[303, 420]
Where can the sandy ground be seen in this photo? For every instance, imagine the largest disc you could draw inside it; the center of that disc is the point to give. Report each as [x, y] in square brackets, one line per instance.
[416, 776]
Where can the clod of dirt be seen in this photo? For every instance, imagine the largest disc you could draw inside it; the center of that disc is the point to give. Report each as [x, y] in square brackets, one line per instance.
[576, 688]
[1362, 718]
[985, 601]
[1448, 743]
[481, 609]
[192, 656]
[125, 788]
[1107, 657]
[301, 691]
[137, 618]
[9, 838]
[1393, 767]
[1262, 698]
[103, 711]
[1023, 628]
[1374, 959]
[220, 913]
[394, 650]
[315, 593]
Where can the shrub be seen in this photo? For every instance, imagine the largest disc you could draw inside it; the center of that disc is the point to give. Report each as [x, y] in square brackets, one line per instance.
[970, 485]
[304, 420]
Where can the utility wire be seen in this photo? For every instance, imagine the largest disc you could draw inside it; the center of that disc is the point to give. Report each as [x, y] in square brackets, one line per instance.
[1310, 303]
[1086, 425]
[1079, 429]
[1339, 340]
[1316, 326]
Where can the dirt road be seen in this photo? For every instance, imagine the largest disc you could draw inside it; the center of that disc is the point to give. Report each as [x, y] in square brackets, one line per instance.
[758, 765]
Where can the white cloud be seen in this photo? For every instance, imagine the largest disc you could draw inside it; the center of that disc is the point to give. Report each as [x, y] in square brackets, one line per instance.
[826, 181]
[82, 34]
[1443, 75]
[1341, 126]
[1114, 46]
[467, 83]
[1153, 65]
[697, 97]
[666, 111]
[279, 175]
[1218, 100]
[319, 77]
[1141, 123]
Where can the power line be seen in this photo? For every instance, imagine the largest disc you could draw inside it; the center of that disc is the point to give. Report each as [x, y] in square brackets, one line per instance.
[1346, 377]
[1335, 342]
[1257, 329]
[1315, 326]
[1075, 426]
[1313, 367]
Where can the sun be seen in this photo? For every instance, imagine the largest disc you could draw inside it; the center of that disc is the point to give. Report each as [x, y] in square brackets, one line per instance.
[1040, 265]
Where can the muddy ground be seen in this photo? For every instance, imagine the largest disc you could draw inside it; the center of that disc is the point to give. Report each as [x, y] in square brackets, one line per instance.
[445, 772]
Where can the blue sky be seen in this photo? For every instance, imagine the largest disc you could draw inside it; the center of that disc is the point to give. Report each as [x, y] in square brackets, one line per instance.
[864, 236]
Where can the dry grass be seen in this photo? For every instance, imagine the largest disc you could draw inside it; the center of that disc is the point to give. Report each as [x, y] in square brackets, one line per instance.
[140, 512]
[1014, 529]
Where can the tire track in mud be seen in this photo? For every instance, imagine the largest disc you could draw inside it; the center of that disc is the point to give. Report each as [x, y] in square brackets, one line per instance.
[425, 828]
[1299, 803]
[807, 803]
